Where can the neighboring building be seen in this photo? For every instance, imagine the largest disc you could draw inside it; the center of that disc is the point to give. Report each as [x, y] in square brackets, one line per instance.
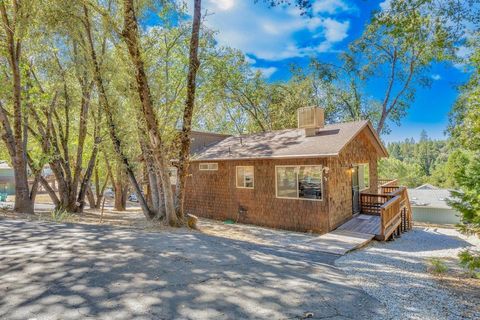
[7, 179]
[429, 205]
[298, 179]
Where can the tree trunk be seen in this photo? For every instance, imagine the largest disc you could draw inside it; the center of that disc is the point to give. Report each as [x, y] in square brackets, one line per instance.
[23, 202]
[120, 197]
[183, 162]
[86, 178]
[91, 198]
[120, 188]
[130, 34]
[110, 122]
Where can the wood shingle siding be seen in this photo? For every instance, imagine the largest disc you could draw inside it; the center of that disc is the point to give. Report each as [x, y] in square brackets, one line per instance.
[213, 194]
[218, 198]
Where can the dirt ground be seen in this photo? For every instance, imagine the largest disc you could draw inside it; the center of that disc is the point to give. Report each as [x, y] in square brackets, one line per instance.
[79, 271]
[455, 279]
[132, 217]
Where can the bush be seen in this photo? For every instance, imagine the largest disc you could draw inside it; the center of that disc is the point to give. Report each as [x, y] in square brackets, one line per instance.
[471, 261]
[60, 215]
[437, 266]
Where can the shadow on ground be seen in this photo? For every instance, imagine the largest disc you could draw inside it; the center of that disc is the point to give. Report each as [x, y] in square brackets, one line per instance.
[67, 271]
[396, 273]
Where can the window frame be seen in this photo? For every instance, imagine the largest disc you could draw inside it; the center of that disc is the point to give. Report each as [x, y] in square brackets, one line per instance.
[208, 164]
[297, 173]
[364, 164]
[244, 182]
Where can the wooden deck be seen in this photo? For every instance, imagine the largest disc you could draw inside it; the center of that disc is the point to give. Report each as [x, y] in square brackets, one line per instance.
[385, 214]
[362, 223]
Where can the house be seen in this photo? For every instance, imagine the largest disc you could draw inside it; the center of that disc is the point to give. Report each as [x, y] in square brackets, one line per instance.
[429, 205]
[7, 179]
[303, 179]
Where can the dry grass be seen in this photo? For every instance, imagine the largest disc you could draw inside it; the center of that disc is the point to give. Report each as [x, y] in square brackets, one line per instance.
[131, 218]
[463, 286]
[459, 281]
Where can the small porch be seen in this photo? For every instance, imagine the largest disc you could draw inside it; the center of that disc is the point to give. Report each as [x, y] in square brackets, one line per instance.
[385, 214]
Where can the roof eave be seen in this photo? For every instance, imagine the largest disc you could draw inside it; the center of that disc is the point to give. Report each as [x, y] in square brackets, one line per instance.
[383, 151]
[379, 141]
[299, 156]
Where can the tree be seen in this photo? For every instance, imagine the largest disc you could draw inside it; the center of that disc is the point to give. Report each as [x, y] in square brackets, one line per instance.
[400, 45]
[104, 102]
[465, 132]
[184, 153]
[15, 19]
[131, 38]
[409, 174]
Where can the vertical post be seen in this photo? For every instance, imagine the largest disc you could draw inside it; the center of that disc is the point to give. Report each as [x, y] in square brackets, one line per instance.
[382, 222]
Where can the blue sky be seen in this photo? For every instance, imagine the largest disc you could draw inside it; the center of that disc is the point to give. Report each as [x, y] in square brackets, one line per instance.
[275, 38]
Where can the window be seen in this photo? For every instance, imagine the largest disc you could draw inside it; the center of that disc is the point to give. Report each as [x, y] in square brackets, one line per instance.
[363, 176]
[208, 166]
[299, 182]
[245, 177]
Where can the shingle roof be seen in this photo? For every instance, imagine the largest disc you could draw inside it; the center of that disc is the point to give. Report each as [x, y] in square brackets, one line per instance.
[289, 143]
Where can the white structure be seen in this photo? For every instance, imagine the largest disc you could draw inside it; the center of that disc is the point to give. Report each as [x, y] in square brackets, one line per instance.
[429, 204]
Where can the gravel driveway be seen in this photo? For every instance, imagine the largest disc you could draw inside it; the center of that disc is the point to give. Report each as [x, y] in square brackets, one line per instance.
[395, 273]
[74, 271]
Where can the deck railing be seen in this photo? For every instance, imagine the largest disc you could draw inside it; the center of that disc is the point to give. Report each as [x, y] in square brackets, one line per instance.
[387, 182]
[392, 205]
[371, 202]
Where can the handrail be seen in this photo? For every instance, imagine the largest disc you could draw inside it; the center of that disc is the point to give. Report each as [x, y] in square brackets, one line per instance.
[390, 202]
[387, 182]
[377, 194]
[393, 207]
[370, 203]
[389, 214]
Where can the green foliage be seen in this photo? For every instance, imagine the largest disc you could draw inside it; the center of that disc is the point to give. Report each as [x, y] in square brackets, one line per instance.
[466, 172]
[61, 215]
[470, 261]
[437, 266]
[415, 163]
[409, 174]
[465, 162]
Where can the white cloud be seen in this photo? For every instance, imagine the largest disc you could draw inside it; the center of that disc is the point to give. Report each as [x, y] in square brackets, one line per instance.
[266, 72]
[276, 33]
[463, 53]
[250, 60]
[330, 6]
[222, 4]
[436, 77]
[385, 5]
[335, 31]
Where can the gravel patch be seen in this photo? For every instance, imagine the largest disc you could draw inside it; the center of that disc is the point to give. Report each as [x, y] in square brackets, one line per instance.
[396, 274]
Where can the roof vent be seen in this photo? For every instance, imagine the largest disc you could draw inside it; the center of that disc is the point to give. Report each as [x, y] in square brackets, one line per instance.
[310, 119]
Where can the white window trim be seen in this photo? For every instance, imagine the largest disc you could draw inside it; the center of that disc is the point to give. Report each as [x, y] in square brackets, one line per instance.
[298, 166]
[244, 182]
[208, 164]
[369, 182]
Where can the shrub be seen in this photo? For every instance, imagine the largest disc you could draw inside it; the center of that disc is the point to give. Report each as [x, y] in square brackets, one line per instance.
[437, 266]
[470, 261]
[60, 215]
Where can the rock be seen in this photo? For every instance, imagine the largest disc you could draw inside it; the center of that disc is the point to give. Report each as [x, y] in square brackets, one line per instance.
[192, 221]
